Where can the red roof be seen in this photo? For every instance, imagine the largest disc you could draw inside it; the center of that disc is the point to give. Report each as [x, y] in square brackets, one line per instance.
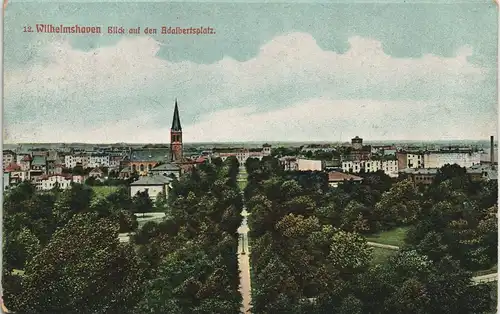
[27, 158]
[335, 176]
[12, 167]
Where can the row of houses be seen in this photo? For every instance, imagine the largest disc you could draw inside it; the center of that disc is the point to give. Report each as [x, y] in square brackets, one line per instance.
[52, 162]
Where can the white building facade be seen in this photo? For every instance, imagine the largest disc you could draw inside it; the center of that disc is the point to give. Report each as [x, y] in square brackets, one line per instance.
[463, 159]
[8, 158]
[98, 161]
[415, 161]
[243, 154]
[389, 167]
[70, 161]
[46, 183]
[153, 184]
[310, 165]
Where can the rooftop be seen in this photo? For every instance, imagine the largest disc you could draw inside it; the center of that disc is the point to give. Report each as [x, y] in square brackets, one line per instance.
[12, 167]
[152, 180]
[44, 177]
[166, 167]
[39, 160]
[336, 176]
[151, 154]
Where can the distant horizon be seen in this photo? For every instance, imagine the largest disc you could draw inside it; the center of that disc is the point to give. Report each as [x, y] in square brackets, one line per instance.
[255, 142]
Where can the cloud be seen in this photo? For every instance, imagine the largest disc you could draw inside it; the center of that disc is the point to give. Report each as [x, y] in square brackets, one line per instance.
[107, 91]
[320, 119]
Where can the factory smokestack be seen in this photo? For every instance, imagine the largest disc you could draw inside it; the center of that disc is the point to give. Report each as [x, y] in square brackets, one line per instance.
[492, 151]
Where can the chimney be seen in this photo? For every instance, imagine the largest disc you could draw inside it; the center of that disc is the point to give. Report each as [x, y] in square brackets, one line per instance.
[492, 151]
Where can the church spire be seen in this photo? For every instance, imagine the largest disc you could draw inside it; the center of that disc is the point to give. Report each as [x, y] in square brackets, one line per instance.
[176, 122]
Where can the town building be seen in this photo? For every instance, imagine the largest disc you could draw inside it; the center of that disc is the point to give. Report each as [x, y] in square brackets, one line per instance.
[49, 182]
[336, 178]
[25, 162]
[96, 173]
[21, 156]
[357, 143]
[8, 158]
[488, 171]
[437, 159]
[242, 154]
[167, 169]
[426, 176]
[98, 160]
[410, 159]
[15, 174]
[310, 165]
[39, 165]
[388, 166]
[143, 160]
[115, 161]
[54, 166]
[153, 184]
[125, 173]
[289, 163]
[72, 160]
[358, 151]
[158, 166]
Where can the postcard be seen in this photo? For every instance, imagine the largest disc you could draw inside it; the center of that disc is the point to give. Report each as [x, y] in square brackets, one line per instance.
[246, 157]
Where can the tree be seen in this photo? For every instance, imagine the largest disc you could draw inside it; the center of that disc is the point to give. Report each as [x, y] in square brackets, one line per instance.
[83, 269]
[71, 201]
[161, 202]
[126, 220]
[19, 248]
[412, 283]
[189, 281]
[349, 252]
[120, 199]
[78, 170]
[142, 203]
[399, 206]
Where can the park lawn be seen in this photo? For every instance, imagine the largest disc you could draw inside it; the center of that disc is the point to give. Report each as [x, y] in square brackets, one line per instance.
[395, 236]
[380, 255]
[105, 190]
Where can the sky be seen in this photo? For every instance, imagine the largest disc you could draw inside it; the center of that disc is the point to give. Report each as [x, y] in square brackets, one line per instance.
[271, 72]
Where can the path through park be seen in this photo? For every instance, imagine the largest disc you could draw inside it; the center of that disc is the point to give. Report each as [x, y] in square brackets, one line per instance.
[244, 265]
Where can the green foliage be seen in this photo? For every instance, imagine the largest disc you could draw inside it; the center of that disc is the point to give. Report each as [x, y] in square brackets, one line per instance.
[30, 222]
[457, 221]
[83, 261]
[399, 206]
[142, 203]
[308, 257]
[191, 256]
[161, 203]
[19, 248]
[190, 281]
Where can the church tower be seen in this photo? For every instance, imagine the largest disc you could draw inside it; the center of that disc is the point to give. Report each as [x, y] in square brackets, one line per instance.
[176, 137]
